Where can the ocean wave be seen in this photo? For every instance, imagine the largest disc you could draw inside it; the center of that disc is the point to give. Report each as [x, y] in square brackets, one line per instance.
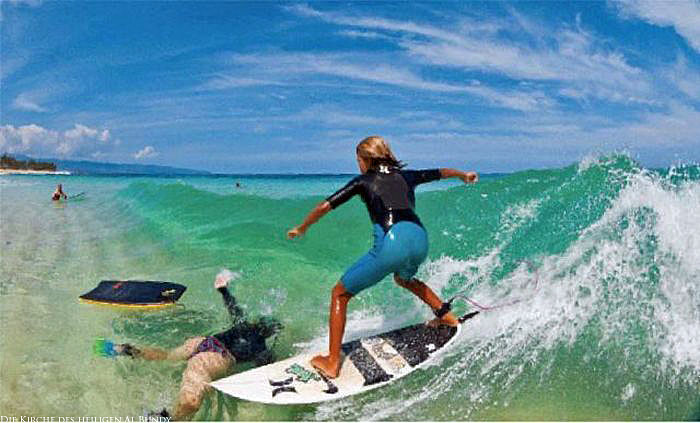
[610, 301]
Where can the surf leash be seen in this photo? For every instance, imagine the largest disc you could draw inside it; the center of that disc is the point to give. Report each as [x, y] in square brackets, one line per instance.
[447, 305]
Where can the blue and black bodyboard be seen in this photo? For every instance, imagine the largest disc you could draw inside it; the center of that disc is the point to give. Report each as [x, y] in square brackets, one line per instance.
[135, 293]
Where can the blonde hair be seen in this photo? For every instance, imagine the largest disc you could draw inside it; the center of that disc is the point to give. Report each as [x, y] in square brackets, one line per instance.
[375, 151]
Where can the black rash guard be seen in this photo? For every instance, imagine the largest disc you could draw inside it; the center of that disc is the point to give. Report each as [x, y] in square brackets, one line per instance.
[387, 192]
[245, 340]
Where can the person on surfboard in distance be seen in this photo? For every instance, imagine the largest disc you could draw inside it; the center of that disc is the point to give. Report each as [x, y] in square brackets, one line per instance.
[400, 241]
[208, 357]
[59, 193]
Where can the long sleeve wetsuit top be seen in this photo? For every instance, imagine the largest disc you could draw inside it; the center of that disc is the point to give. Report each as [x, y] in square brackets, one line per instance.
[387, 192]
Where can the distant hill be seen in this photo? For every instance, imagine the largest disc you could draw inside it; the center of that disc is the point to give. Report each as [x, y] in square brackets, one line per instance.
[83, 167]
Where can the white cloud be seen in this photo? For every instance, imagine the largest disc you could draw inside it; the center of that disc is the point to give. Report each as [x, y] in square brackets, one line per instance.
[352, 67]
[562, 62]
[370, 35]
[335, 117]
[513, 46]
[82, 131]
[224, 82]
[80, 141]
[27, 139]
[145, 153]
[678, 126]
[683, 16]
[27, 102]
[685, 79]
[10, 65]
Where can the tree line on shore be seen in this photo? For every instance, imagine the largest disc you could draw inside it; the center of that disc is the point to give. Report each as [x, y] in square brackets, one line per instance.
[9, 162]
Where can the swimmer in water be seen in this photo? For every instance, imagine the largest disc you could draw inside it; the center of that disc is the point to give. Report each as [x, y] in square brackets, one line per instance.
[59, 193]
[400, 241]
[208, 357]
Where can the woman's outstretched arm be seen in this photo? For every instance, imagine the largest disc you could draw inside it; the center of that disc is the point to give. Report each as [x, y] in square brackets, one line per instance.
[221, 285]
[233, 309]
[467, 177]
[318, 212]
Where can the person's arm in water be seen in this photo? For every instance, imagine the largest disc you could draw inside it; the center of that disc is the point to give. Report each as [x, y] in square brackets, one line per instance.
[467, 177]
[233, 309]
[317, 213]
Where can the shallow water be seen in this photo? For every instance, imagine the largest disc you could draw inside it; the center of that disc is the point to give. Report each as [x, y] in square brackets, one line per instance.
[597, 265]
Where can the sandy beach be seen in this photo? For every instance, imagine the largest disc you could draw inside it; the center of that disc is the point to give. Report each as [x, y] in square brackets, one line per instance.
[32, 172]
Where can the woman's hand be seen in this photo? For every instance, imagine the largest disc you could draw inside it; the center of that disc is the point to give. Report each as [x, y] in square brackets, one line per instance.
[469, 177]
[220, 282]
[224, 277]
[295, 232]
[318, 212]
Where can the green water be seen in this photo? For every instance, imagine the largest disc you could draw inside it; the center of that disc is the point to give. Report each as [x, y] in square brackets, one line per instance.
[601, 261]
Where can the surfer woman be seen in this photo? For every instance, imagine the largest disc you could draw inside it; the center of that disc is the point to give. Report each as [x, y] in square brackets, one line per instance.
[400, 241]
[212, 356]
[59, 193]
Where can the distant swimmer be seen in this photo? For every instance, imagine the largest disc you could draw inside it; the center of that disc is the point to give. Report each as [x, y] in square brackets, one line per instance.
[59, 193]
[208, 357]
[238, 185]
[400, 241]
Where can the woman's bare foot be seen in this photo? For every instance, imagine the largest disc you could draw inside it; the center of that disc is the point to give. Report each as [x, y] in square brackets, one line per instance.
[326, 365]
[447, 320]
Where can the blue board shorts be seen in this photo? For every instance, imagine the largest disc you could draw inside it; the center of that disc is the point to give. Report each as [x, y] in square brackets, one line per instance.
[400, 250]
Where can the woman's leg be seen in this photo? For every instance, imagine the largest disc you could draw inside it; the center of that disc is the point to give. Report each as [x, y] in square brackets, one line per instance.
[423, 291]
[330, 364]
[201, 369]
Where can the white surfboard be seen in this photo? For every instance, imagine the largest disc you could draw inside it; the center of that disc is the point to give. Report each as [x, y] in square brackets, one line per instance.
[368, 363]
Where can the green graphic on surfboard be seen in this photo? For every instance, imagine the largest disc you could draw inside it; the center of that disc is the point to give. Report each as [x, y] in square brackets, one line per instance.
[302, 374]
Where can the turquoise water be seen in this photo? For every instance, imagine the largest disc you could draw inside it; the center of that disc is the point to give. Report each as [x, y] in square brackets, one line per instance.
[597, 264]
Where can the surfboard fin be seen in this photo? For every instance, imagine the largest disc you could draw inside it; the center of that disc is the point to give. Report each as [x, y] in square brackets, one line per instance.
[468, 316]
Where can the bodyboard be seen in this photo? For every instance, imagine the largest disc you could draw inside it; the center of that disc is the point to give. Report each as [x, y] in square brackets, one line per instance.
[368, 363]
[135, 293]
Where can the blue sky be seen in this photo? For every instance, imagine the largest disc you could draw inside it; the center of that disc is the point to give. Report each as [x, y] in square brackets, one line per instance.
[272, 87]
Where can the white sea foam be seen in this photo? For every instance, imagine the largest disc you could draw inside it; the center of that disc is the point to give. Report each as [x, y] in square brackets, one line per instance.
[628, 392]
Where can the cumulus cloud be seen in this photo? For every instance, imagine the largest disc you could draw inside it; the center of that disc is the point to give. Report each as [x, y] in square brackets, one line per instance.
[79, 141]
[82, 131]
[683, 16]
[145, 153]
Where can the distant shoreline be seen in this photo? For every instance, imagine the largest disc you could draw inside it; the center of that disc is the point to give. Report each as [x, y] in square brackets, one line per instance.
[32, 172]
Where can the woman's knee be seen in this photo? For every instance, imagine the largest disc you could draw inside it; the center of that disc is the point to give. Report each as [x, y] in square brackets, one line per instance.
[339, 292]
[191, 401]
